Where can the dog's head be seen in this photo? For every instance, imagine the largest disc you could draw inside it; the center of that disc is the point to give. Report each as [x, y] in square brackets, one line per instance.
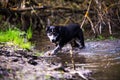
[53, 33]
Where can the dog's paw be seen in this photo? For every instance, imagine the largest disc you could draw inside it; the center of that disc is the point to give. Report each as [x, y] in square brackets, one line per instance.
[83, 47]
[47, 53]
[53, 52]
[50, 53]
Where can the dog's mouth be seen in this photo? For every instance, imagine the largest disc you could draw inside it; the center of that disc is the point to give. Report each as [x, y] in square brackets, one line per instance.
[53, 38]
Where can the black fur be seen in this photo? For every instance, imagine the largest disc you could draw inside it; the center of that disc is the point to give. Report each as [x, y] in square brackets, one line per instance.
[65, 34]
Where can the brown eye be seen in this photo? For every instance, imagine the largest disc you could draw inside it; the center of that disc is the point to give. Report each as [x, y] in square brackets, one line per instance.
[50, 34]
[53, 31]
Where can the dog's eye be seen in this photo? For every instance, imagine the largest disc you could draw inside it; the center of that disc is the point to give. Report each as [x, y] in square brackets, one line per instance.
[50, 34]
[54, 32]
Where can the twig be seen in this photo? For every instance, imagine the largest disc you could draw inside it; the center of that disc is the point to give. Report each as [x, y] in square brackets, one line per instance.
[29, 8]
[86, 14]
[110, 29]
[67, 20]
[83, 22]
[87, 17]
[100, 28]
[91, 24]
[72, 59]
[118, 16]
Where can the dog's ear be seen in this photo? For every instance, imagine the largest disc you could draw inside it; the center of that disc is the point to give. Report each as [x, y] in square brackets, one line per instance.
[47, 28]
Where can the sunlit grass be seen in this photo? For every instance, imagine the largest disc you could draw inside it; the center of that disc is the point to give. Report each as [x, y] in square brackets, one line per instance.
[29, 33]
[17, 37]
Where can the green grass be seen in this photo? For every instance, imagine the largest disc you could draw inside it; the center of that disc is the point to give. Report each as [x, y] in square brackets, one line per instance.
[17, 37]
[111, 38]
[100, 37]
[29, 33]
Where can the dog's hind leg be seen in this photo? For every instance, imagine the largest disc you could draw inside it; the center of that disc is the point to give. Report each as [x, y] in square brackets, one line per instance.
[80, 41]
[75, 43]
[82, 44]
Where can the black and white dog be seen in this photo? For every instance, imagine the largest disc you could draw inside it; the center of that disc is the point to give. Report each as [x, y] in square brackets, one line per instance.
[61, 35]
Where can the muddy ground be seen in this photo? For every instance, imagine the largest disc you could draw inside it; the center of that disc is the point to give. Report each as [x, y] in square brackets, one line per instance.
[100, 60]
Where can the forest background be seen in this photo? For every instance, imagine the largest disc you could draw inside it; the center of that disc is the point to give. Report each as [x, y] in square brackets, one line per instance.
[96, 17]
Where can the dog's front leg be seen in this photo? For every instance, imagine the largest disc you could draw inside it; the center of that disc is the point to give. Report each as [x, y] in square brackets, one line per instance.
[56, 50]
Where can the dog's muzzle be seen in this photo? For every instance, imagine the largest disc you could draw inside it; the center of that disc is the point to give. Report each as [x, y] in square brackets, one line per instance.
[53, 40]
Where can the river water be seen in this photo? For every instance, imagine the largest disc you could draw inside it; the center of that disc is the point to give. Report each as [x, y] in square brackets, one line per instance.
[102, 58]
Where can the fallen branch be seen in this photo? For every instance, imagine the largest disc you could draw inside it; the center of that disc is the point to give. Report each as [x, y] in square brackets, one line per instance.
[29, 8]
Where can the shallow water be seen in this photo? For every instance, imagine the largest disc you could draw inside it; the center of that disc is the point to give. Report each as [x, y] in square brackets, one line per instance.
[100, 57]
[103, 67]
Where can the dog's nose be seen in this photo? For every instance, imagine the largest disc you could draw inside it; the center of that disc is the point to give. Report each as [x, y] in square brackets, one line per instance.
[53, 40]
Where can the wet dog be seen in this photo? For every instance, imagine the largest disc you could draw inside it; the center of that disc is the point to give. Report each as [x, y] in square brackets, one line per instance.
[61, 35]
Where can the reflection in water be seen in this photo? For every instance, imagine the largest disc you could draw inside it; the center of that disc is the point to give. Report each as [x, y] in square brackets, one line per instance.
[108, 73]
[110, 69]
[100, 57]
[105, 66]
